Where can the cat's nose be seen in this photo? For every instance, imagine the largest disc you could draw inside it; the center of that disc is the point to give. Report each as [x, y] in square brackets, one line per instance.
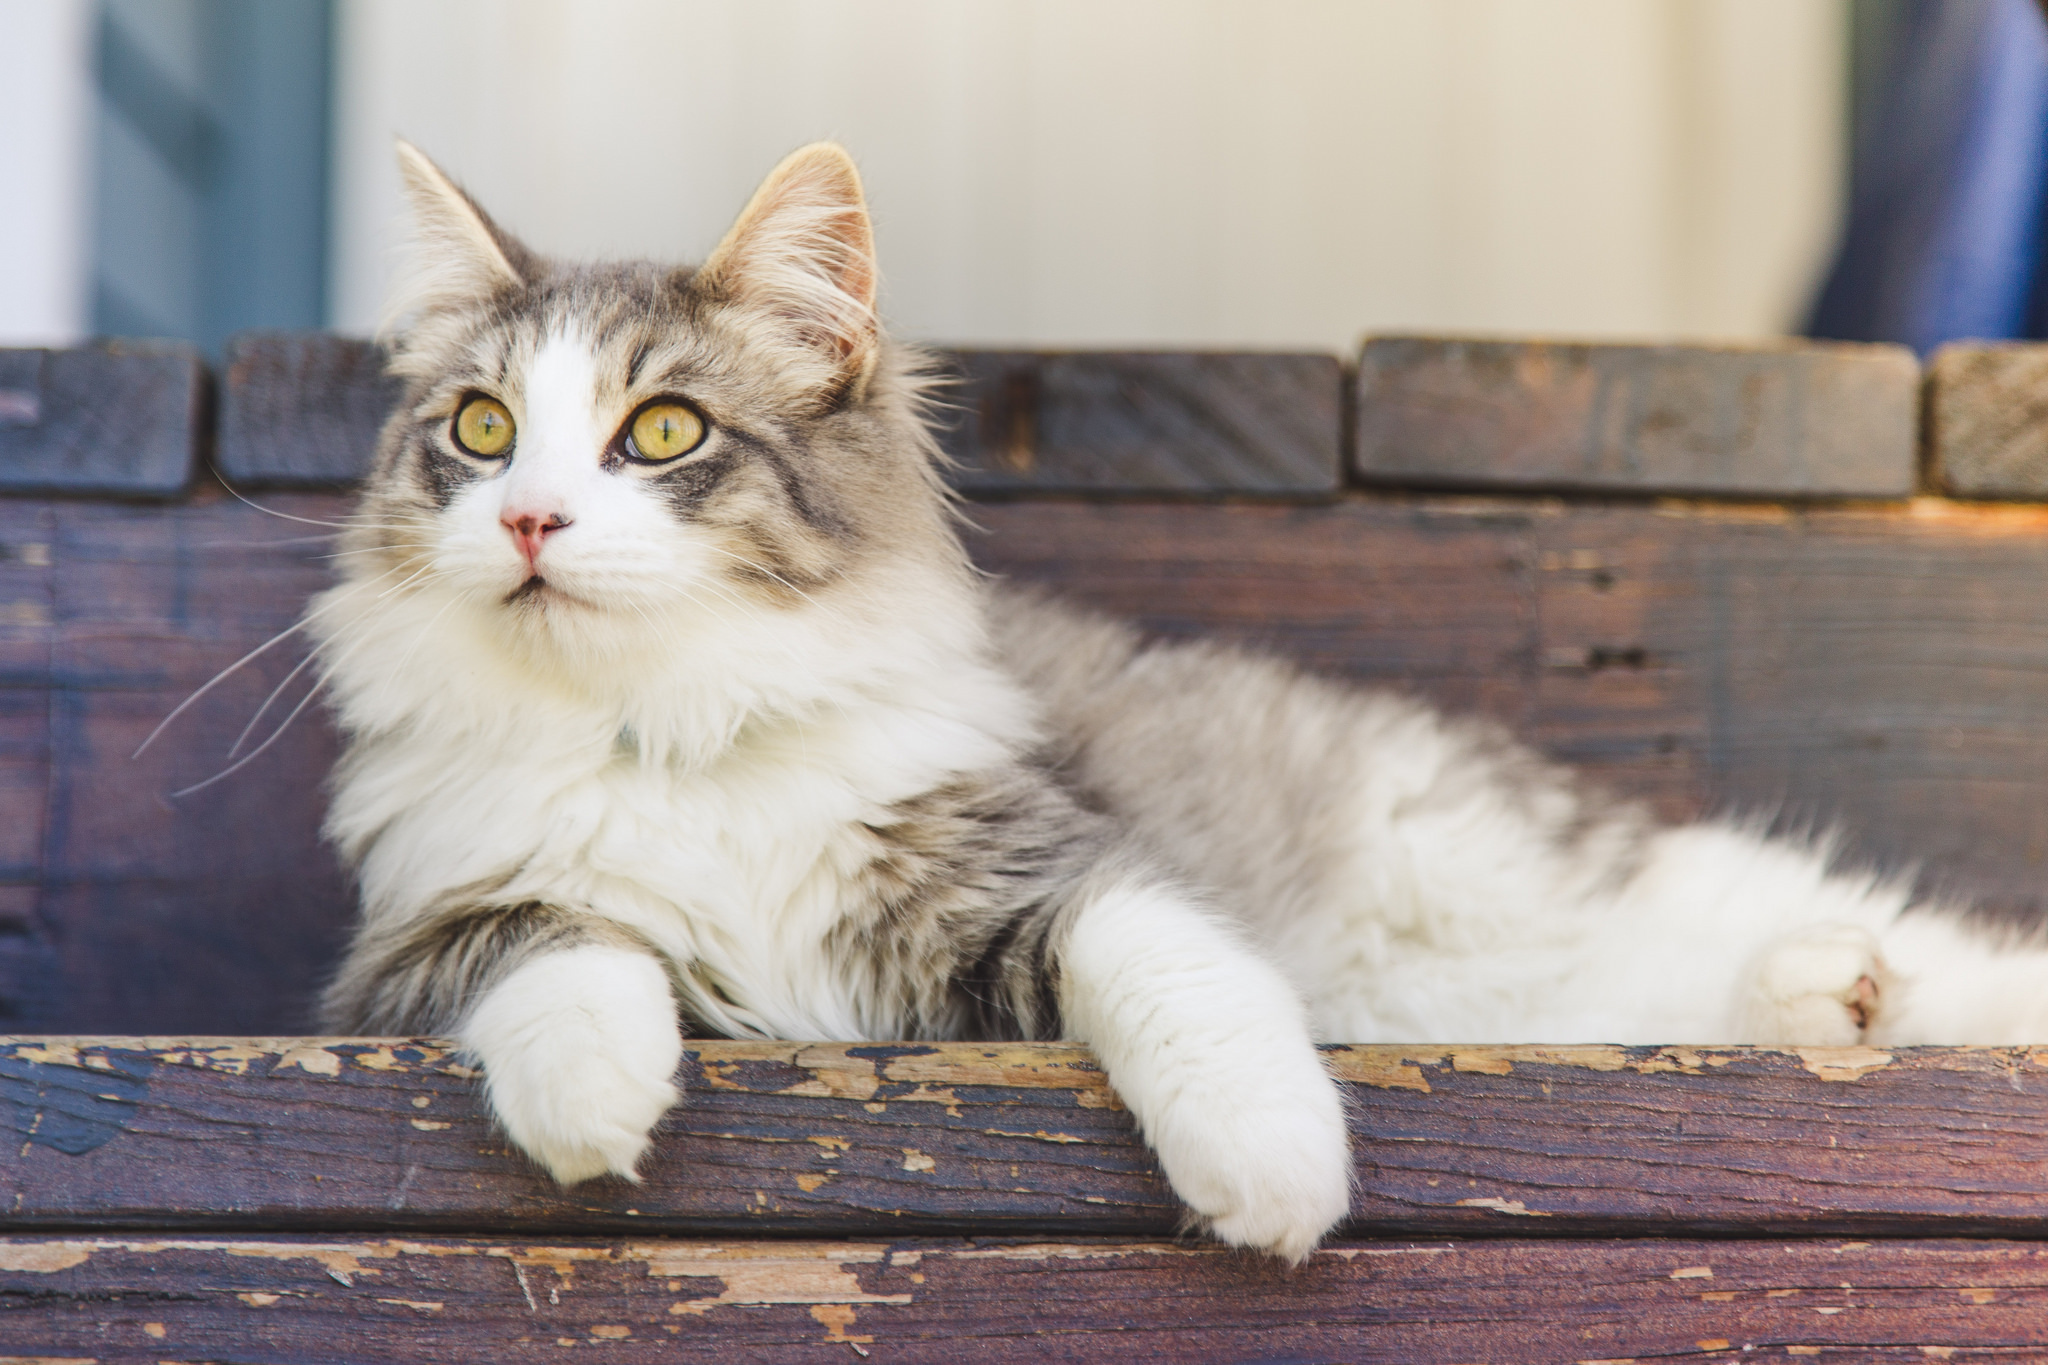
[530, 530]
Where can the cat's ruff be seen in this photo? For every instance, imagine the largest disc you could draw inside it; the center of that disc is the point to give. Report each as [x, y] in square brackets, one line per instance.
[739, 736]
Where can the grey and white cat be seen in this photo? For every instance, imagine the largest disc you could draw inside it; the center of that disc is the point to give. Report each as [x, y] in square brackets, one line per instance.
[672, 701]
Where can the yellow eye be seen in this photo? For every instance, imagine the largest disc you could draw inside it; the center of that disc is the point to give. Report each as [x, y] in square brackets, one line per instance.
[663, 431]
[483, 427]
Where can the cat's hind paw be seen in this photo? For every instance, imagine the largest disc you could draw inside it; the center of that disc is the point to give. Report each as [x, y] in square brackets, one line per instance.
[580, 1049]
[1823, 986]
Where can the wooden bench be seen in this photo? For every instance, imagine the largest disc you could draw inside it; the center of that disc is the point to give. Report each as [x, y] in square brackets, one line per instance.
[1804, 579]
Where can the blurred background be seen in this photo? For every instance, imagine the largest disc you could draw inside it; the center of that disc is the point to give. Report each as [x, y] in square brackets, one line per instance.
[1232, 173]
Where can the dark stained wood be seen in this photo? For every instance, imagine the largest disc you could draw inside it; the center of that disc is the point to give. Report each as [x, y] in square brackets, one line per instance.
[1798, 420]
[301, 409]
[1139, 421]
[122, 907]
[1987, 419]
[815, 1139]
[1881, 669]
[343, 1299]
[122, 417]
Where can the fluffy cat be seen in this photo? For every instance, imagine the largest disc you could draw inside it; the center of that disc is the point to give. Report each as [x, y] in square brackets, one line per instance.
[671, 700]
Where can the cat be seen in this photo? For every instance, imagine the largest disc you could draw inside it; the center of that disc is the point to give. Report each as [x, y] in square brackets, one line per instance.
[671, 700]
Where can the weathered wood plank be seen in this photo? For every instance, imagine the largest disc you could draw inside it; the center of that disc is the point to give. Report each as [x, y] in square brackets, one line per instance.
[301, 409]
[219, 910]
[810, 1139]
[122, 417]
[1884, 668]
[1987, 419]
[1799, 420]
[1139, 421]
[462, 1300]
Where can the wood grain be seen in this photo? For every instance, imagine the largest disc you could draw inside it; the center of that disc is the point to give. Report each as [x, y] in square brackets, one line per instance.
[1884, 669]
[122, 417]
[1798, 420]
[1136, 421]
[1987, 419]
[344, 1299]
[814, 1139]
[301, 409]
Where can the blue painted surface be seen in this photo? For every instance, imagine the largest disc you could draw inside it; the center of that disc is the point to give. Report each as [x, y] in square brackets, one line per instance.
[1944, 238]
[211, 167]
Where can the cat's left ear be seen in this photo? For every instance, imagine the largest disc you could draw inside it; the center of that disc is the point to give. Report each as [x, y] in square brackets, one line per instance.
[802, 256]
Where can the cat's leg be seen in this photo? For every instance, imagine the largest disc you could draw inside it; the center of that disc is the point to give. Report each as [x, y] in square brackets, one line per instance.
[570, 1014]
[1209, 1047]
[1823, 986]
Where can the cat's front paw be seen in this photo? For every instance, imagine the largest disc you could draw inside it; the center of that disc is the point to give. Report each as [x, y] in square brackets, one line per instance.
[1264, 1163]
[1822, 986]
[579, 1050]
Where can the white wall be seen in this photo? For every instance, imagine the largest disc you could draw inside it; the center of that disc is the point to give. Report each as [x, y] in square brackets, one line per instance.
[45, 134]
[1180, 172]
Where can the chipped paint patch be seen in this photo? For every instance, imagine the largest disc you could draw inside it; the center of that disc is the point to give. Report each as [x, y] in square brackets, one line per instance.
[1843, 1063]
[914, 1160]
[259, 1300]
[1038, 1135]
[1485, 1063]
[1692, 1272]
[431, 1126]
[836, 1318]
[421, 1305]
[1509, 1206]
[792, 1272]
[312, 1059]
[1385, 1068]
[44, 1258]
[810, 1183]
[1977, 1296]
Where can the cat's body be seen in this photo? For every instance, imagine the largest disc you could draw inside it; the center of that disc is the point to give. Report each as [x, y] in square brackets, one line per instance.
[737, 733]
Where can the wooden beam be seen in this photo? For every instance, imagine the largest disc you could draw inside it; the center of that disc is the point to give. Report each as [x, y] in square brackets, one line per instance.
[1881, 668]
[886, 1140]
[301, 409]
[1146, 421]
[122, 418]
[1987, 419]
[1794, 420]
[352, 1298]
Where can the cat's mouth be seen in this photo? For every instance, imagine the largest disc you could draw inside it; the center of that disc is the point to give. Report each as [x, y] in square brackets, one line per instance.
[533, 589]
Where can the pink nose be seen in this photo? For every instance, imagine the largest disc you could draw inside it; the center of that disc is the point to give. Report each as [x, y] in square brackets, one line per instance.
[529, 530]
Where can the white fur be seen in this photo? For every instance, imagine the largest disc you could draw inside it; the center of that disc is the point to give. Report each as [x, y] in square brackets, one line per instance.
[579, 1049]
[1209, 1048]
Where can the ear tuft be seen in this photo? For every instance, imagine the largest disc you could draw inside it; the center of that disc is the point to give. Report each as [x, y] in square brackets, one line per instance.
[803, 253]
[457, 254]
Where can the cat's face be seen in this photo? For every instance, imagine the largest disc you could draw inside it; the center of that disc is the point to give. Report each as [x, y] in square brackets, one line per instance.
[622, 448]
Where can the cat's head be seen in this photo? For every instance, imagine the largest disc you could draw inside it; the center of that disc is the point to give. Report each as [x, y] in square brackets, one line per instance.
[590, 455]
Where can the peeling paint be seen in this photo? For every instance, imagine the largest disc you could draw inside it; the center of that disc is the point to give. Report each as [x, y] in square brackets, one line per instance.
[756, 1273]
[1385, 1068]
[837, 1317]
[1692, 1272]
[1039, 1135]
[43, 1258]
[1509, 1206]
[430, 1126]
[1843, 1063]
[312, 1059]
[1485, 1063]
[810, 1183]
[914, 1160]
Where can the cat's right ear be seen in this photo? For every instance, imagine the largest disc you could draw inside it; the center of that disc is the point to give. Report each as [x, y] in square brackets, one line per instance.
[457, 255]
